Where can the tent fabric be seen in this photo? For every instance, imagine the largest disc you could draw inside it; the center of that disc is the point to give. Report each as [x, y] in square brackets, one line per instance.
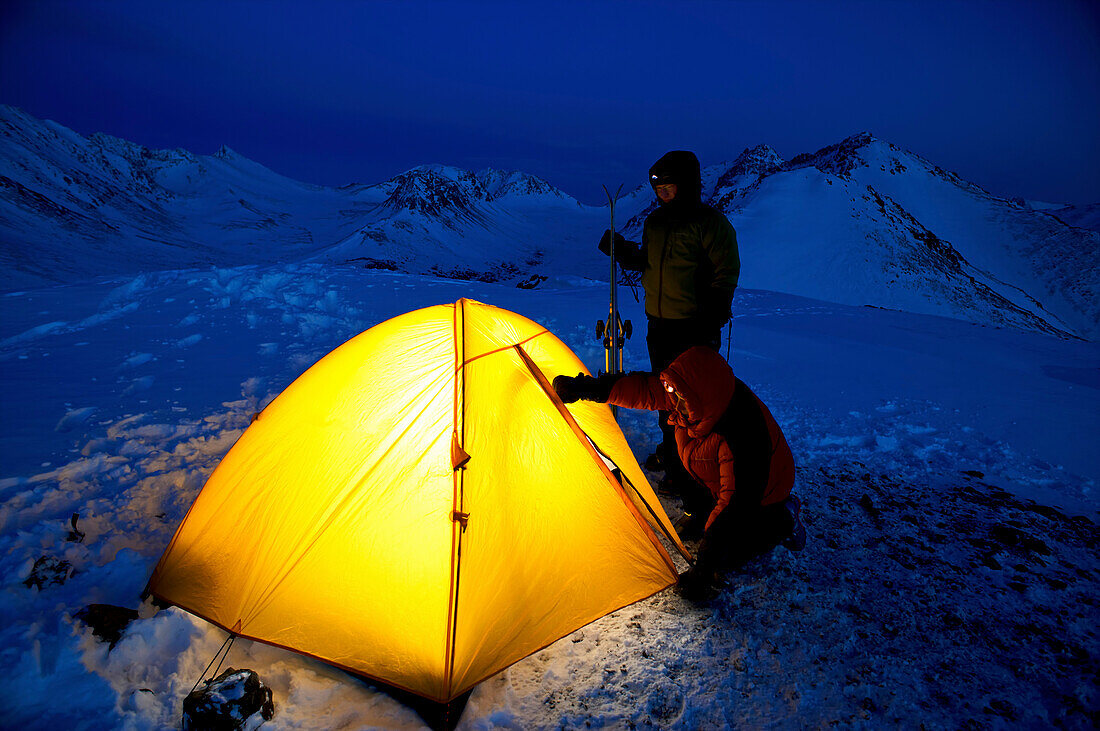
[419, 508]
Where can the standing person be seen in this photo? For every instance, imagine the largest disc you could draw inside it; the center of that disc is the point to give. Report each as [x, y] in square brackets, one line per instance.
[729, 444]
[689, 264]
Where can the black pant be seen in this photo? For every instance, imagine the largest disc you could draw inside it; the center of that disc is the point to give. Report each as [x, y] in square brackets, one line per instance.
[666, 340]
[743, 532]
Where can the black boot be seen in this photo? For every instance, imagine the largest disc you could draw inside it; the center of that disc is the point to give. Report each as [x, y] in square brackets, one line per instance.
[690, 526]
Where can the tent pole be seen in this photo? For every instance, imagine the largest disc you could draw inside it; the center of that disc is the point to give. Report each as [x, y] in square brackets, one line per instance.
[458, 514]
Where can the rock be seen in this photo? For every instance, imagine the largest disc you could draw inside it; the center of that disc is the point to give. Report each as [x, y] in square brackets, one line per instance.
[1002, 708]
[49, 571]
[1012, 536]
[869, 507]
[228, 703]
[75, 534]
[107, 621]
[991, 562]
[531, 282]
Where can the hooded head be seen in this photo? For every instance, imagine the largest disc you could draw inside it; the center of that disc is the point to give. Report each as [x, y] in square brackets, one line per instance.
[680, 168]
[701, 383]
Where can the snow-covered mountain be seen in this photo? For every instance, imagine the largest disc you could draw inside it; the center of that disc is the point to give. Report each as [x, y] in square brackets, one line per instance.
[74, 208]
[1030, 258]
[810, 226]
[861, 222]
[490, 226]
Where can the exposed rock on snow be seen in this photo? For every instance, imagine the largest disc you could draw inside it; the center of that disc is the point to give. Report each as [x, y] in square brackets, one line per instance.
[49, 571]
[106, 621]
[234, 700]
[955, 586]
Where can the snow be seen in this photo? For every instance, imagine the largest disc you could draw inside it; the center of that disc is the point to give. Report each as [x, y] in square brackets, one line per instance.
[158, 299]
[948, 472]
[862, 222]
[1018, 254]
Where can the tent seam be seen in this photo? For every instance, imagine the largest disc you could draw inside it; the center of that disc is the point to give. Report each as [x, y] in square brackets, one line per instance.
[501, 349]
[457, 502]
[540, 377]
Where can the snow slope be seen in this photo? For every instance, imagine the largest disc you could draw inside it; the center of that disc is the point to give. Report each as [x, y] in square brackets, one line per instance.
[1079, 216]
[74, 208]
[864, 249]
[1031, 257]
[949, 472]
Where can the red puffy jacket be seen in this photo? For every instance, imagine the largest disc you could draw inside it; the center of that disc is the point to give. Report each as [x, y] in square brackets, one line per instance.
[726, 437]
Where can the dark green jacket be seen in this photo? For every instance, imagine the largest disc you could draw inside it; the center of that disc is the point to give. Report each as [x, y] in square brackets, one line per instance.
[688, 256]
[689, 262]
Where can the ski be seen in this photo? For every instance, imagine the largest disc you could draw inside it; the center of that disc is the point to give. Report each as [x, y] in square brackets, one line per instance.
[614, 332]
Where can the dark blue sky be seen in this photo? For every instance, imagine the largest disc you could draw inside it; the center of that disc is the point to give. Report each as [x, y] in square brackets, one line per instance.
[1005, 93]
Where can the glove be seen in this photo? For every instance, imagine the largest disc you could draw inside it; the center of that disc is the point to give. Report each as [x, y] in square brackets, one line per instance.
[584, 388]
[566, 389]
[715, 306]
[573, 388]
[605, 243]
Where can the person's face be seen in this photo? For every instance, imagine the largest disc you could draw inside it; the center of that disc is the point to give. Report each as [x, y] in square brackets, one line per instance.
[679, 404]
[666, 192]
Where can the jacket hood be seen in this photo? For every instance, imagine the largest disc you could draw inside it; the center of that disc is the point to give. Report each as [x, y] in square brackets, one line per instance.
[682, 168]
[705, 381]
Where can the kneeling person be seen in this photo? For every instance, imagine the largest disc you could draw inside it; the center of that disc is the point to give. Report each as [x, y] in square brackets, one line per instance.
[729, 443]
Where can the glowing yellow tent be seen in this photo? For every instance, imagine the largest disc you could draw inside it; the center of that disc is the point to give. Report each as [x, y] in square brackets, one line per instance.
[420, 508]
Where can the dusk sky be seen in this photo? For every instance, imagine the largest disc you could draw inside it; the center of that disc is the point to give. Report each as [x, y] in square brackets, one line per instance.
[1004, 93]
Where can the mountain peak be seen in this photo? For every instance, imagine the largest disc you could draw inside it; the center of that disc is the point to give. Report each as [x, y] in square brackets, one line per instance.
[759, 160]
[861, 139]
[839, 159]
[433, 189]
[226, 153]
[508, 183]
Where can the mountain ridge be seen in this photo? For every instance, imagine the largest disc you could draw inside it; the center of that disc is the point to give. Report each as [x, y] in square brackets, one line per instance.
[874, 218]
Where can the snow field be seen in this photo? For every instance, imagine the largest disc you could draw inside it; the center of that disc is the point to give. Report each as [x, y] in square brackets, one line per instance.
[950, 579]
